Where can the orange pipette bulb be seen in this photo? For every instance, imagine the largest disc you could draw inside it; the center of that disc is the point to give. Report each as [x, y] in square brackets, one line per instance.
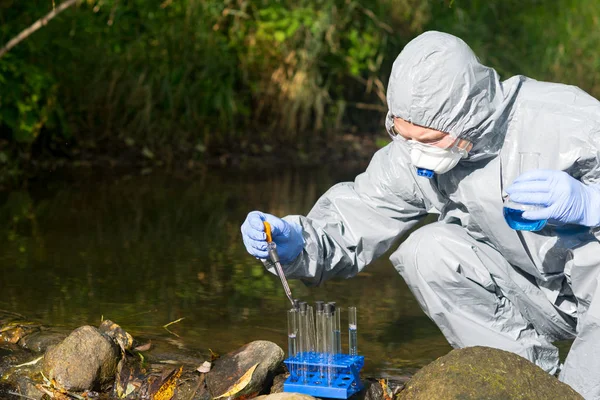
[268, 231]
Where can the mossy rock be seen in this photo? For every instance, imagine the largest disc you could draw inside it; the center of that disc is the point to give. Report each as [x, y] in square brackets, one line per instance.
[484, 373]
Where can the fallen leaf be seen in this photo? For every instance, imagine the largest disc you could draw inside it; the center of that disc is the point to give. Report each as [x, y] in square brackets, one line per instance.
[167, 389]
[240, 384]
[204, 368]
[144, 347]
[387, 392]
[59, 396]
[130, 389]
[122, 378]
[14, 334]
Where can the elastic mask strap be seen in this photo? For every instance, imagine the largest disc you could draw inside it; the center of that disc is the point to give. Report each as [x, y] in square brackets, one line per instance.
[463, 144]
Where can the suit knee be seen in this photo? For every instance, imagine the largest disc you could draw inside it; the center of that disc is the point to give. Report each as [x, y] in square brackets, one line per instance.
[419, 250]
[429, 253]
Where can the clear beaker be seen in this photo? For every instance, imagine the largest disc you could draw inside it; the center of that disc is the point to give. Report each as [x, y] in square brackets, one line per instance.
[513, 211]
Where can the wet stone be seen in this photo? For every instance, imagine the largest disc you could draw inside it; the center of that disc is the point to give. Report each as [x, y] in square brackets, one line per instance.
[379, 389]
[192, 388]
[278, 382]
[18, 380]
[167, 353]
[5, 390]
[185, 358]
[286, 396]
[4, 351]
[371, 391]
[118, 334]
[42, 340]
[15, 331]
[227, 370]
[26, 386]
[12, 355]
[86, 360]
[484, 373]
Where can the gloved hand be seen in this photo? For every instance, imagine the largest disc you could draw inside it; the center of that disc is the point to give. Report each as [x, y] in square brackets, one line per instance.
[563, 197]
[287, 236]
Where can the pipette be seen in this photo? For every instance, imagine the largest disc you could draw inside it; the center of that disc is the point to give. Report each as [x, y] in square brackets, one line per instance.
[272, 250]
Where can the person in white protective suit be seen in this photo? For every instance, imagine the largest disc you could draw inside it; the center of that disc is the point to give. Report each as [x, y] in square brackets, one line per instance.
[480, 281]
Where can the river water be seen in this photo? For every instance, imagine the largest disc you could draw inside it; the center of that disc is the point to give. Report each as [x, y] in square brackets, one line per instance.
[146, 250]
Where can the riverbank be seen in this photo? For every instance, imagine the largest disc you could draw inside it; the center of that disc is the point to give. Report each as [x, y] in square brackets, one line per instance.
[127, 158]
[38, 362]
[107, 362]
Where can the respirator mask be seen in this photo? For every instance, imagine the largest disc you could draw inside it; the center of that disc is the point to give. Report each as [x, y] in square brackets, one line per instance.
[427, 158]
[430, 159]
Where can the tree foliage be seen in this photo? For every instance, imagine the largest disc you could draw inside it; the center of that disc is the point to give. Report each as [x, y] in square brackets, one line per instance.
[185, 73]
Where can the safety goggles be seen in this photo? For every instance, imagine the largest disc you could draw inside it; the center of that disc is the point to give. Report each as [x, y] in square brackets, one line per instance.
[446, 142]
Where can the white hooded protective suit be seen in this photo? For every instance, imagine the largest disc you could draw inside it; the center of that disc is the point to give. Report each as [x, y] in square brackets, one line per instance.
[480, 281]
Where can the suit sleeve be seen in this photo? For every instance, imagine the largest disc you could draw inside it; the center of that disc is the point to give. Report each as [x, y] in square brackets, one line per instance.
[354, 223]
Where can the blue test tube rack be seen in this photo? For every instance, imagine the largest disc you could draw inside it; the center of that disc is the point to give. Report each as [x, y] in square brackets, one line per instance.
[306, 378]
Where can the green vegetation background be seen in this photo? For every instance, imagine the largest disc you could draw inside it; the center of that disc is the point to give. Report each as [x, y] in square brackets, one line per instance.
[191, 79]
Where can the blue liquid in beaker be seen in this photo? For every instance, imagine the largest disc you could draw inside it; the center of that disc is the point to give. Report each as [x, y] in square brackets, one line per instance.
[517, 222]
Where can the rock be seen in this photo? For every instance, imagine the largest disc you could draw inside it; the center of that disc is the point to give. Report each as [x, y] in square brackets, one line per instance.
[227, 370]
[286, 396]
[42, 340]
[18, 380]
[14, 331]
[278, 382]
[12, 355]
[26, 387]
[371, 391]
[118, 334]
[5, 390]
[193, 387]
[174, 352]
[184, 357]
[85, 360]
[30, 335]
[379, 389]
[484, 373]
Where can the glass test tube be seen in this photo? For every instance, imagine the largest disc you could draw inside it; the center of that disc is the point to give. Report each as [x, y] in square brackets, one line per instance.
[318, 326]
[337, 331]
[303, 326]
[318, 339]
[292, 316]
[310, 320]
[328, 359]
[303, 348]
[310, 350]
[352, 332]
[327, 348]
[334, 329]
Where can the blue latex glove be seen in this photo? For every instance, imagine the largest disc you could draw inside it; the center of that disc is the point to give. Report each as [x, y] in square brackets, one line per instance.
[563, 197]
[287, 236]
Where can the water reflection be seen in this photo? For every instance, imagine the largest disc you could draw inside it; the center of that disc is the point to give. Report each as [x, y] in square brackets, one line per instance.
[149, 250]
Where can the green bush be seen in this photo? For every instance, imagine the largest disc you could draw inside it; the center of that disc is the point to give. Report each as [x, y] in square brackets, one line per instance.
[28, 100]
[181, 74]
